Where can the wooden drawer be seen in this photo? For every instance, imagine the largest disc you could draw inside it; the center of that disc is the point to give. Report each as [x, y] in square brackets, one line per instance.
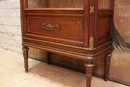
[65, 27]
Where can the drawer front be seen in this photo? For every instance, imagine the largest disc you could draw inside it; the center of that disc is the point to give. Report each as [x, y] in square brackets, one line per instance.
[68, 28]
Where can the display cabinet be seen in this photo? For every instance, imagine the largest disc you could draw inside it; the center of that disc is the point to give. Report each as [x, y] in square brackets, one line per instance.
[76, 28]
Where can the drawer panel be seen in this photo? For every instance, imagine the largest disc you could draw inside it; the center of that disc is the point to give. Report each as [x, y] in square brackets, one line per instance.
[65, 27]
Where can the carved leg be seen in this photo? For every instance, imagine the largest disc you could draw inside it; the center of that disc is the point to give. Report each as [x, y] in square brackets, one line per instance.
[25, 55]
[106, 67]
[89, 71]
[48, 58]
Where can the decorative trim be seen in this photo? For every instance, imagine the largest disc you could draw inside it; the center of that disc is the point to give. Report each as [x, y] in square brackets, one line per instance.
[25, 48]
[79, 21]
[91, 42]
[66, 45]
[49, 26]
[89, 64]
[91, 9]
[110, 55]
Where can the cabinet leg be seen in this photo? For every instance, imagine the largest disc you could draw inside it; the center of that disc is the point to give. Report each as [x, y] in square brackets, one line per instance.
[106, 66]
[48, 58]
[89, 71]
[25, 55]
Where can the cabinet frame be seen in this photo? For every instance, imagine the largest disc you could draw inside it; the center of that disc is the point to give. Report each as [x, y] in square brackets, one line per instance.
[92, 44]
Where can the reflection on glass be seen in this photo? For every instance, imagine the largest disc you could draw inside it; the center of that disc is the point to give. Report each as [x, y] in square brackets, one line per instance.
[55, 3]
[104, 4]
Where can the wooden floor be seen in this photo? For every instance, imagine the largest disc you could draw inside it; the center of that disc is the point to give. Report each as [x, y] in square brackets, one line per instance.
[40, 74]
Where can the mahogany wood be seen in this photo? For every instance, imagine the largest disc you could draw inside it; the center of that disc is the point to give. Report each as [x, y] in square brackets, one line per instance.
[106, 68]
[25, 55]
[89, 67]
[78, 30]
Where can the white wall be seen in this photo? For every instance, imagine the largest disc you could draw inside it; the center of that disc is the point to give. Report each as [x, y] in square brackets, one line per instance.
[10, 26]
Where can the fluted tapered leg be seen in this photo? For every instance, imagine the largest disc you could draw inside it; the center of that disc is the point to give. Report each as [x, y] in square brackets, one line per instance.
[89, 71]
[25, 55]
[106, 67]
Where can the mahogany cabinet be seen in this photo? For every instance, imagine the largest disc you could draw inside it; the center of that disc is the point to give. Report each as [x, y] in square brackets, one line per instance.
[76, 28]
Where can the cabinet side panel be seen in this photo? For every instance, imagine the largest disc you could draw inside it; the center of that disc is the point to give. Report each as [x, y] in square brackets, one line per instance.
[103, 32]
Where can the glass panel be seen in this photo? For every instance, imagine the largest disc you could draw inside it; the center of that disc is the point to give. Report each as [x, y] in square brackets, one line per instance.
[104, 4]
[55, 3]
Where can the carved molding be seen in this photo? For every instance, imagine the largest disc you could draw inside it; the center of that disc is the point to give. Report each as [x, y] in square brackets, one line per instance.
[55, 43]
[57, 27]
[66, 45]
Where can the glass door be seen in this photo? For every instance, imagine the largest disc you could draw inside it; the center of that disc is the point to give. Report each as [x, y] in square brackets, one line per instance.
[55, 3]
[105, 4]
